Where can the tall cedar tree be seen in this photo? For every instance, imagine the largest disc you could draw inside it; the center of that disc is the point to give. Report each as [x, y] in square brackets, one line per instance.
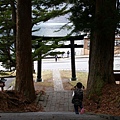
[24, 77]
[102, 47]
[99, 17]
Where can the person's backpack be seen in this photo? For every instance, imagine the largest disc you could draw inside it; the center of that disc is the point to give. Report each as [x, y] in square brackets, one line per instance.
[78, 97]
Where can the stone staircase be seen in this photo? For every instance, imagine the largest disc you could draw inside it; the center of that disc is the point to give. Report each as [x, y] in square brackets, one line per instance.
[54, 116]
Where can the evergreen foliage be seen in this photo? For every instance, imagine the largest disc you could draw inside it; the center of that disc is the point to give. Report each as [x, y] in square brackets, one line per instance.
[42, 10]
[7, 55]
[83, 15]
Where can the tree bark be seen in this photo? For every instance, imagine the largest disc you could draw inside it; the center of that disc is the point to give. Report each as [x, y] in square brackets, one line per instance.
[24, 77]
[102, 47]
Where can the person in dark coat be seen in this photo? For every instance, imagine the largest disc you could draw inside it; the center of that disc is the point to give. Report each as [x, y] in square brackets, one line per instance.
[56, 57]
[78, 98]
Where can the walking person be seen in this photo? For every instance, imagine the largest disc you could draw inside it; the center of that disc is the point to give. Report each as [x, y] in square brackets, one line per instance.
[68, 54]
[56, 58]
[78, 98]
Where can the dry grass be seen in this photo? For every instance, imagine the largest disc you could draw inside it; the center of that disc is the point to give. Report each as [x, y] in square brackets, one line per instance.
[81, 77]
[65, 76]
[47, 79]
[5, 74]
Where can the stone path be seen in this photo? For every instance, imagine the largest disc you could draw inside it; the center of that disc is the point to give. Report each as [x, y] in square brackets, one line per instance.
[58, 100]
[58, 86]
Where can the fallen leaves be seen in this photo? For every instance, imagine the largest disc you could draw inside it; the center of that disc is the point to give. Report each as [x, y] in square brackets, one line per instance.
[12, 101]
[109, 102]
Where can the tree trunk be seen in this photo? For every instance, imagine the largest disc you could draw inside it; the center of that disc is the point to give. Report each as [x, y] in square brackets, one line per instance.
[24, 77]
[102, 47]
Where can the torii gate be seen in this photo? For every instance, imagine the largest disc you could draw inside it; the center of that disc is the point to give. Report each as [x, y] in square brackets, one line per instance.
[72, 46]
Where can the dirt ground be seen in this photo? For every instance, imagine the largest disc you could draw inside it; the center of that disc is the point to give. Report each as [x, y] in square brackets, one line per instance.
[109, 103]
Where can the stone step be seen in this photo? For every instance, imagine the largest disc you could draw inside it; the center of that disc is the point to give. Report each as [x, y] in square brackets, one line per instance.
[54, 116]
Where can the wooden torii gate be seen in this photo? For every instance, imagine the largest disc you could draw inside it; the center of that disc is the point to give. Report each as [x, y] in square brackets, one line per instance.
[72, 46]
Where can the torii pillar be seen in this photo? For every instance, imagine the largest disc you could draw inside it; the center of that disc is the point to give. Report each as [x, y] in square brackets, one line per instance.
[73, 60]
[39, 71]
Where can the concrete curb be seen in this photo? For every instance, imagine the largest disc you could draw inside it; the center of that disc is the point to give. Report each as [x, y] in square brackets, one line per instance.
[55, 116]
[106, 117]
